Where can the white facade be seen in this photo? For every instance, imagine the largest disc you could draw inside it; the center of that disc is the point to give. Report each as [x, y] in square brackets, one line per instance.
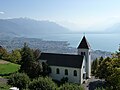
[71, 78]
[83, 72]
[87, 54]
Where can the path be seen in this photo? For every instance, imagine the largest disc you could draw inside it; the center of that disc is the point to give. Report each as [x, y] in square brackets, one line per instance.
[93, 83]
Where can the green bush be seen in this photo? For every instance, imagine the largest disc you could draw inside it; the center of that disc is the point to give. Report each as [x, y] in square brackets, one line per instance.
[64, 80]
[100, 88]
[4, 86]
[68, 86]
[19, 80]
[42, 84]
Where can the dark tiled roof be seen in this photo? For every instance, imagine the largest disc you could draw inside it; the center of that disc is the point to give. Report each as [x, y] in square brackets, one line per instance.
[65, 60]
[84, 44]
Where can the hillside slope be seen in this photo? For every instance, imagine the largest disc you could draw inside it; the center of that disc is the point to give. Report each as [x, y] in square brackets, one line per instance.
[28, 27]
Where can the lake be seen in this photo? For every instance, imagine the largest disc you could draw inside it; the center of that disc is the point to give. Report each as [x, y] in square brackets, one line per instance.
[105, 42]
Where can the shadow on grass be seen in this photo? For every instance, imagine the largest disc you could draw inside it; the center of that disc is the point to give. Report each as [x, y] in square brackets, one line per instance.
[95, 84]
[6, 74]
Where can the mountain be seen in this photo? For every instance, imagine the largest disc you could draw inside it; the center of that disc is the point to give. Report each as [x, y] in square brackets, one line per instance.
[114, 28]
[28, 27]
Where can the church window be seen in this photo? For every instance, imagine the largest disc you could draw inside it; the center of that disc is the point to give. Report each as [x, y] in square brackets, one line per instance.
[75, 73]
[84, 76]
[66, 72]
[57, 71]
[82, 53]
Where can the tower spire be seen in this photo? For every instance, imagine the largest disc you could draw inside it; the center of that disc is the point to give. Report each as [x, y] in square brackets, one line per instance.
[84, 44]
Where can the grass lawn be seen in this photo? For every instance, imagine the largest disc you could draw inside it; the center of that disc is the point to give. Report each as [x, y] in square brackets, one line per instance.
[8, 67]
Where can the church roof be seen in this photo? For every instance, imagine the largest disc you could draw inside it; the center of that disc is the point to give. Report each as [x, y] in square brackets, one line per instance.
[84, 44]
[65, 60]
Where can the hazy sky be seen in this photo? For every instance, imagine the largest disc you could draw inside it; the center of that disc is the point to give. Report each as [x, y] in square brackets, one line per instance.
[73, 14]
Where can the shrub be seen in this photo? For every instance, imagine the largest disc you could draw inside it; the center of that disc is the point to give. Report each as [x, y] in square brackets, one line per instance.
[100, 88]
[19, 80]
[64, 79]
[42, 84]
[68, 86]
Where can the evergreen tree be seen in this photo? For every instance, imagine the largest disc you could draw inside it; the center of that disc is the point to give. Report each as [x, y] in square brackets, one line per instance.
[114, 80]
[29, 65]
[105, 69]
[95, 65]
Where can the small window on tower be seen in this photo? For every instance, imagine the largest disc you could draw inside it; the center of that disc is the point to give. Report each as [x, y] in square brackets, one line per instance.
[84, 53]
[81, 53]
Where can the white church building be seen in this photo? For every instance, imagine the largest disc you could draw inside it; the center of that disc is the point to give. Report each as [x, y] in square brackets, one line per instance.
[77, 68]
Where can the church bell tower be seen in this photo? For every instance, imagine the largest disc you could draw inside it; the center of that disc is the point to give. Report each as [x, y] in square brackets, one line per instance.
[85, 50]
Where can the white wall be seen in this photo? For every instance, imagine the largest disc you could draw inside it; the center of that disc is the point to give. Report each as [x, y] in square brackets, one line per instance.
[88, 61]
[71, 77]
[82, 71]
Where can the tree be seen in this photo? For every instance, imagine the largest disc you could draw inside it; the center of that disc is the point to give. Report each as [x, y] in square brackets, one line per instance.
[114, 80]
[116, 54]
[100, 60]
[34, 70]
[42, 84]
[37, 54]
[3, 53]
[105, 68]
[27, 54]
[45, 69]
[100, 88]
[29, 65]
[94, 65]
[15, 56]
[64, 80]
[109, 69]
[19, 80]
[68, 86]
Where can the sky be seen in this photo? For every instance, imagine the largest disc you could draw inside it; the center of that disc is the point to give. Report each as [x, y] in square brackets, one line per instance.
[91, 15]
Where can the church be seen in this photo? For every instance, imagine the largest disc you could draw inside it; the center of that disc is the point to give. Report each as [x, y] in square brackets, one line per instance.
[77, 68]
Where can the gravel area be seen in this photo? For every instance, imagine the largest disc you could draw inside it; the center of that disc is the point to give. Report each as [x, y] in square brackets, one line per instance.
[93, 83]
[3, 62]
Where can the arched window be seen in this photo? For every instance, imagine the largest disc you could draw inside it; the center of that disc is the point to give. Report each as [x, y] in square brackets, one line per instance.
[75, 73]
[82, 53]
[66, 72]
[57, 71]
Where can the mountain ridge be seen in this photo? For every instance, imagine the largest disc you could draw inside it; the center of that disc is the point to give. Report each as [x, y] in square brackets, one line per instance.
[25, 26]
